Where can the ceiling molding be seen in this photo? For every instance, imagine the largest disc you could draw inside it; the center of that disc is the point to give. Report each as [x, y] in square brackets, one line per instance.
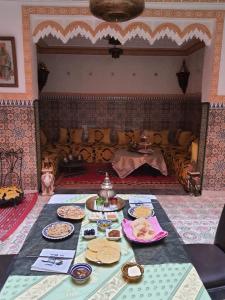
[185, 51]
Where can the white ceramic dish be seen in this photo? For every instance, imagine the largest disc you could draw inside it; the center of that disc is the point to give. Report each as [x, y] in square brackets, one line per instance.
[113, 216]
[113, 238]
[89, 236]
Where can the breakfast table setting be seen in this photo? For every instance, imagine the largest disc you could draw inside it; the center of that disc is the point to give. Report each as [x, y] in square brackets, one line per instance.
[83, 246]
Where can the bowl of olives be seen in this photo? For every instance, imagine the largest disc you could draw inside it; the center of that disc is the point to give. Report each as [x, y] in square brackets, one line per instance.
[89, 233]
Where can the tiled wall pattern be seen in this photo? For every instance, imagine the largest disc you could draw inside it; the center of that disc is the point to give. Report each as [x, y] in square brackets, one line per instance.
[214, 177]
[119, 113]
[17, 130]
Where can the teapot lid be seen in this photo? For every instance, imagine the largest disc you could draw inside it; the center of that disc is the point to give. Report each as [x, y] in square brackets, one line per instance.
[106, 184]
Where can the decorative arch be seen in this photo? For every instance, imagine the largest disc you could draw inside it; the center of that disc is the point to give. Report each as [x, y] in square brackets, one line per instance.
[140, 29]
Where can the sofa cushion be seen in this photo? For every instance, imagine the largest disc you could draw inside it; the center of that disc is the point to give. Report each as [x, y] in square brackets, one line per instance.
[97, 135]
[76, 135]
[43, 138]
[63, 136]
[128, 136]
[184, 138]
[194, 151]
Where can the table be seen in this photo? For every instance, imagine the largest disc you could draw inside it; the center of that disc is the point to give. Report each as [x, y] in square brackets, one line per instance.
[125, 162]
[167, 272]
[72, 167]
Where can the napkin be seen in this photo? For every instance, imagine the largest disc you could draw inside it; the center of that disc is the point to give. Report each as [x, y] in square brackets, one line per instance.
[54, 260]
[136, 200]
[159, 232]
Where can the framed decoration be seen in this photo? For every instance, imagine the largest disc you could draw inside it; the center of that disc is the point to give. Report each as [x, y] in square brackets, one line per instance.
[8, 64]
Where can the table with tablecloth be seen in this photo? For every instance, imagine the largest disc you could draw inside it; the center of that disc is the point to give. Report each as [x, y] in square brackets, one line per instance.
[125, 162]
[168, 274]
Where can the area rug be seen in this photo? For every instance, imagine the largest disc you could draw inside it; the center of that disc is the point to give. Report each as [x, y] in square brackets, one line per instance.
[11, 217]
[94, 175]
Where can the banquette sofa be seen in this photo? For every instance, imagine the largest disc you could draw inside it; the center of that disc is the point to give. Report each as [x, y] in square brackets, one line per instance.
[179, 147]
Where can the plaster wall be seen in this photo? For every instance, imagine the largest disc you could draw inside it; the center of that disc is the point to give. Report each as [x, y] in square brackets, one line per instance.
[128, 74]
[194, 64]
[11, 25]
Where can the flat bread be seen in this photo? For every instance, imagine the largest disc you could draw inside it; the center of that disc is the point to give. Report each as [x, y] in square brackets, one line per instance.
[108, 255]
[91, 255]
[142, 229]
[96, 244]
[103, 251]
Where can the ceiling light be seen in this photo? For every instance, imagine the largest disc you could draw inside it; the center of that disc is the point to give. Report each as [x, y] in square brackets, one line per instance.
[116, 10]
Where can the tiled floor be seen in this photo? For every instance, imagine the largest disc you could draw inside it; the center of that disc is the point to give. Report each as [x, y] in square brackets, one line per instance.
[195, 218]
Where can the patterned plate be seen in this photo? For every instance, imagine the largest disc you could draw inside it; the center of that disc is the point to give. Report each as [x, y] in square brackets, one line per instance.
[64, 230]
[131, 212]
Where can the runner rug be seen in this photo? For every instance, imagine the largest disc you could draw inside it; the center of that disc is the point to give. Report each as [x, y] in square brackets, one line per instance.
[94, 174]
[11, 217]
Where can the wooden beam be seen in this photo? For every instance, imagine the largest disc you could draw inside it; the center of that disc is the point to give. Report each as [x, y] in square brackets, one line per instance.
[126, 51]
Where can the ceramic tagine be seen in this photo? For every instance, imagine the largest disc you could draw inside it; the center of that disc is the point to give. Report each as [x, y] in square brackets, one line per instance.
[106, 190]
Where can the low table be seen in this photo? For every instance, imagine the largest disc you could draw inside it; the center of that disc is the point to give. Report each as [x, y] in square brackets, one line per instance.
[125, 162]
[72, 167]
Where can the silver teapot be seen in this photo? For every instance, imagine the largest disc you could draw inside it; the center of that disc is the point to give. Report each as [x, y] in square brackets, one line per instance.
[106, 190]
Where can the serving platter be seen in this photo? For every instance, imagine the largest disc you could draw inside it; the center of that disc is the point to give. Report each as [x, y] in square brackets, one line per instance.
[91, 204]
[58, 230]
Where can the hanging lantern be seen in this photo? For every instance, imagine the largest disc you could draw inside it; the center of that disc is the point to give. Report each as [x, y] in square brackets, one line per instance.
[116, 10]
[183, 76]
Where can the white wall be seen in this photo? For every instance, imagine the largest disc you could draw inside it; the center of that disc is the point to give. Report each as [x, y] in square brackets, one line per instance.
[194, 63]
[11, 25]
[128, 74]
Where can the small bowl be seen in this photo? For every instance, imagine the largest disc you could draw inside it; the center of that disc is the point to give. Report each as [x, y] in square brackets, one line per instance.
[104, 224]
[113, 238]
[128, 278]
[80, 272]
[89, 236]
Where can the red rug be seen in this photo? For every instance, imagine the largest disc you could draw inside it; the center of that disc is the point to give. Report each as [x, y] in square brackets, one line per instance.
[11, 217]
[94, 175]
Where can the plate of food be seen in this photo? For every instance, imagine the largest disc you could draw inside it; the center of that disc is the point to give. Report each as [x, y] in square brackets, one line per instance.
[10, 195]
[71, 212]
[58, 230]
[140, 211]
[143, 230]
[101, 251]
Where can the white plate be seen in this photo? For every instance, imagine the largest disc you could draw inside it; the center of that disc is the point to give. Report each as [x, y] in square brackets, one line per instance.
[45, 231]
[95, 216]
[107, 216]
[131, 211]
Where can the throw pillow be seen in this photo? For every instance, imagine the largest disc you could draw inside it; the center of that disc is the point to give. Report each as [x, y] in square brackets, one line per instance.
[96, 135]
[136, 136]
[63, 135]
[194, 151]
[76, 135]
[185, 138]
[128, 136]
[43, 138]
